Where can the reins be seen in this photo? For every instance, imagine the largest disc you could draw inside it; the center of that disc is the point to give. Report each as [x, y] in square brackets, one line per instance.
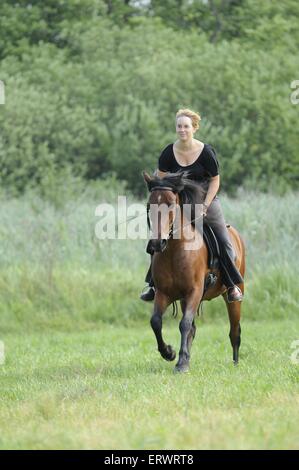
[156, 188]
[171, 231]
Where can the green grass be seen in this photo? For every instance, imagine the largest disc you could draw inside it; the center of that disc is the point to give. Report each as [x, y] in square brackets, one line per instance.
[33, 300]
[108, 388]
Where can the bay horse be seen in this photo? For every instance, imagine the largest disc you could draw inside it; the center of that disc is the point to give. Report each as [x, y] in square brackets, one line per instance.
[180, 273]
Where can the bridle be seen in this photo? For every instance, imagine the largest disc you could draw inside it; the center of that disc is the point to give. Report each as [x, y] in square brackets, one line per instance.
[171, 230]
[162, 188]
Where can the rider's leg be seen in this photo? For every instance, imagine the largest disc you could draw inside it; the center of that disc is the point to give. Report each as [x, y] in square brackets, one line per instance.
[149, 294]
[216, 220]
[148, 277]
[230, 274]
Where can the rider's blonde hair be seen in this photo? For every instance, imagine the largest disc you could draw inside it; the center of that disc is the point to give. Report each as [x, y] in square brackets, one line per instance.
[195, 117]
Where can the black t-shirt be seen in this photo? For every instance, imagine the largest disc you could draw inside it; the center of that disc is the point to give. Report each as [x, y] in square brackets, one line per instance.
[205, 166]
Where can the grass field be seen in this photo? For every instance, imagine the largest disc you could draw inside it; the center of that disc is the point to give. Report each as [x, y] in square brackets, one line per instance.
[81, 368]
[108, 388]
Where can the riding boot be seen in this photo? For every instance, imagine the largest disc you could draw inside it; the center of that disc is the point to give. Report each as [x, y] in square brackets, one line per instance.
[149, 294]
[234, 294]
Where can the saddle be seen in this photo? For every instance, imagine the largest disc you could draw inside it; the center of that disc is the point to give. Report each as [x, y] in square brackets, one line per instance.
[213, 247]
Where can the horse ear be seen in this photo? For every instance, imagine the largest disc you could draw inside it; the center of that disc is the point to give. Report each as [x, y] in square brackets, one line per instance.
[146, 177]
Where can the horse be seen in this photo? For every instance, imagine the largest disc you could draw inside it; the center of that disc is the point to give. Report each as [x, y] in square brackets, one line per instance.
[180, 273]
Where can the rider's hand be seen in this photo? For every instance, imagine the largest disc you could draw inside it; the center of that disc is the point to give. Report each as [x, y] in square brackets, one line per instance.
[204, 209]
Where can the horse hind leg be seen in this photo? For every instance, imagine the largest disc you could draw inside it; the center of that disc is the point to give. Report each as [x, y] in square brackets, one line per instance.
[234, 313]
[160, 306]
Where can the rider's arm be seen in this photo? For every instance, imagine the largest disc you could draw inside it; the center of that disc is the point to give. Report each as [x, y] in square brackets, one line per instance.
[212, 191]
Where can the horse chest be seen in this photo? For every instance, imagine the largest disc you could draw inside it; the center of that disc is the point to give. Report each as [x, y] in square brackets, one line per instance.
[170, 274]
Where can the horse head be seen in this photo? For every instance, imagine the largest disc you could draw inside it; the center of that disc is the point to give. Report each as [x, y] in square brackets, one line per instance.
[162, 207]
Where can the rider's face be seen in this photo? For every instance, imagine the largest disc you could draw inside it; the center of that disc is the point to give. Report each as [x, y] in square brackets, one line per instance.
[184, 128]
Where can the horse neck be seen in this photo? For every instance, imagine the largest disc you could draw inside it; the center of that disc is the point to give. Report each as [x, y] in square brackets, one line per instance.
[187, 231]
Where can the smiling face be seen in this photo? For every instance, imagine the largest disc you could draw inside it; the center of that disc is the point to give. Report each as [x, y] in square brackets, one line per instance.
[184, 128]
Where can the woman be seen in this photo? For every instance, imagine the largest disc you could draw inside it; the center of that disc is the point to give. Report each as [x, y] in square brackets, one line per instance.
[199, 159]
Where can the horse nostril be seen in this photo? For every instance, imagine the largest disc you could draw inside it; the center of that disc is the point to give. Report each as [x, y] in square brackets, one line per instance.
[163, 244]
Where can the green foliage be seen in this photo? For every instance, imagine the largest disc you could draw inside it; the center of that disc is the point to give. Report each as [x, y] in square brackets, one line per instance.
[24, 23]
[249, 21]
[94, 85]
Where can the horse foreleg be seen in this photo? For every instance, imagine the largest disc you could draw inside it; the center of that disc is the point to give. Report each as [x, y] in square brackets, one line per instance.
[191, 335]
[160, 305]
[187, 329]
[234, 313]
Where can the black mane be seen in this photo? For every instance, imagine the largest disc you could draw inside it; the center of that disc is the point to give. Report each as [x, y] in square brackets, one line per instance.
[188, 190]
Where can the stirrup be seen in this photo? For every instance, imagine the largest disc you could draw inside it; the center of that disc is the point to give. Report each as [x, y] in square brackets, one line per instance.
[238, 297]
[149, 295]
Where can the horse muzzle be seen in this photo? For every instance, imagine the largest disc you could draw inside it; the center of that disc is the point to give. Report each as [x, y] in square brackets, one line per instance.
[159, 245]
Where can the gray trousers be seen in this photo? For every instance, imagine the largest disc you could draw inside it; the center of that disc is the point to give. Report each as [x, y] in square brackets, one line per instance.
[215, 219]
[230, 274]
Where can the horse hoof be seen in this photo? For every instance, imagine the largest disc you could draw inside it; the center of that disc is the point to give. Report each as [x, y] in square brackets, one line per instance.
[169, 354]
[181, 369]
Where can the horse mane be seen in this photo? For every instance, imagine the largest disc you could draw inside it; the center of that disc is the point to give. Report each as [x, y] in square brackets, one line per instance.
[187, 189]
[179, 182]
